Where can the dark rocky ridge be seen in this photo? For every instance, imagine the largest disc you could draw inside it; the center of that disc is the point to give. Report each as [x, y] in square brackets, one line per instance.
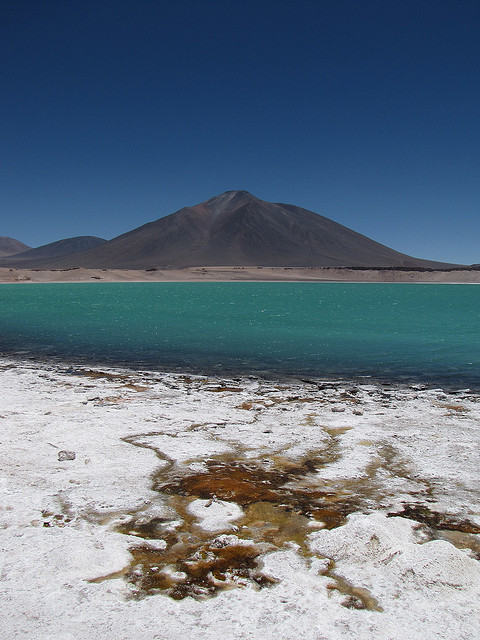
[237, 229]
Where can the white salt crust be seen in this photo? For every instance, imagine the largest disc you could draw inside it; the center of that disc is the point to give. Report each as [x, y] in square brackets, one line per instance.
[411, 445]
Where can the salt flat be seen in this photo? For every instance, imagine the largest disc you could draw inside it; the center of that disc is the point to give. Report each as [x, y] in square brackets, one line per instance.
[352, 513]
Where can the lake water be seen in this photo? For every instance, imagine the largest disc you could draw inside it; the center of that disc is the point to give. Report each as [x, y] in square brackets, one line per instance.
[417, 332]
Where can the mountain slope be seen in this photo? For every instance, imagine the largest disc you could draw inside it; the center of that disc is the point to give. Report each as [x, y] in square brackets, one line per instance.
[46, 252]
[237, 229]
[10, 246]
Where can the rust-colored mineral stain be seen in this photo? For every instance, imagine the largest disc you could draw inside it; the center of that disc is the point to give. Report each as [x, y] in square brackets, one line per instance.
[225, 388]
[247, 406]
[273, 400]
[455, 408]
[193, 565]
[280, 506]
[136, 387]
[152, 529]
[199, 570]
[234, 482]
[356, 597]
[282, 503]
[126, 380]
[248, 484]
[460, 540]
[436, 520]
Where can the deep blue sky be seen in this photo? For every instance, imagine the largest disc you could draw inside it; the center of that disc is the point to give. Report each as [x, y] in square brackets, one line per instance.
[115, 113]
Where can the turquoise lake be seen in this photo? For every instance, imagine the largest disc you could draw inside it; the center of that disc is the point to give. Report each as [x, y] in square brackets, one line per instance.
[399, 332]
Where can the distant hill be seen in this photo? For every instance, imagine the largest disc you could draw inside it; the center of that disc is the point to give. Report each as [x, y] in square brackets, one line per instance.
[66, 247]
[235, 229]
[10, 246]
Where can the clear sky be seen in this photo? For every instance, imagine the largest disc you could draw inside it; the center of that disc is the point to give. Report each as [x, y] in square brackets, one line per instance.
[117, 112]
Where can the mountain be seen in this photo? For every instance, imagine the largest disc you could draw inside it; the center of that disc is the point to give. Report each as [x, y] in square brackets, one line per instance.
[47, 252]
[237, 229]
[10, 246]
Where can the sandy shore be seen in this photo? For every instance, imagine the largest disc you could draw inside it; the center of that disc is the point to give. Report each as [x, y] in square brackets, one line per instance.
[164, 506]
[226, 274]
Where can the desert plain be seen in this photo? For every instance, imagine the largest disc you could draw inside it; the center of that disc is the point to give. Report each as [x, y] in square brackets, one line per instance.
[225, 274]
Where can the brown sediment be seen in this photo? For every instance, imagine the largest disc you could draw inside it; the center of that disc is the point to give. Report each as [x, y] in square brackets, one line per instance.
[356, 597]
[190, 562]
[248, 483]
[110, 400]
[283, 502]
[225, 388]
[435, 520]
[460, 540]
[456, 408]
[281, 505]
[196, 569]
[198, 564]
[126, 380]
[96, 375]
[136, 387]
[270, 401]
[235, 482]
[309, 420]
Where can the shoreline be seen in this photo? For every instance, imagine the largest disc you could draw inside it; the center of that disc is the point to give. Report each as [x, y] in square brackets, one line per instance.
[453, 384]
[380, 484]
[240, 274]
